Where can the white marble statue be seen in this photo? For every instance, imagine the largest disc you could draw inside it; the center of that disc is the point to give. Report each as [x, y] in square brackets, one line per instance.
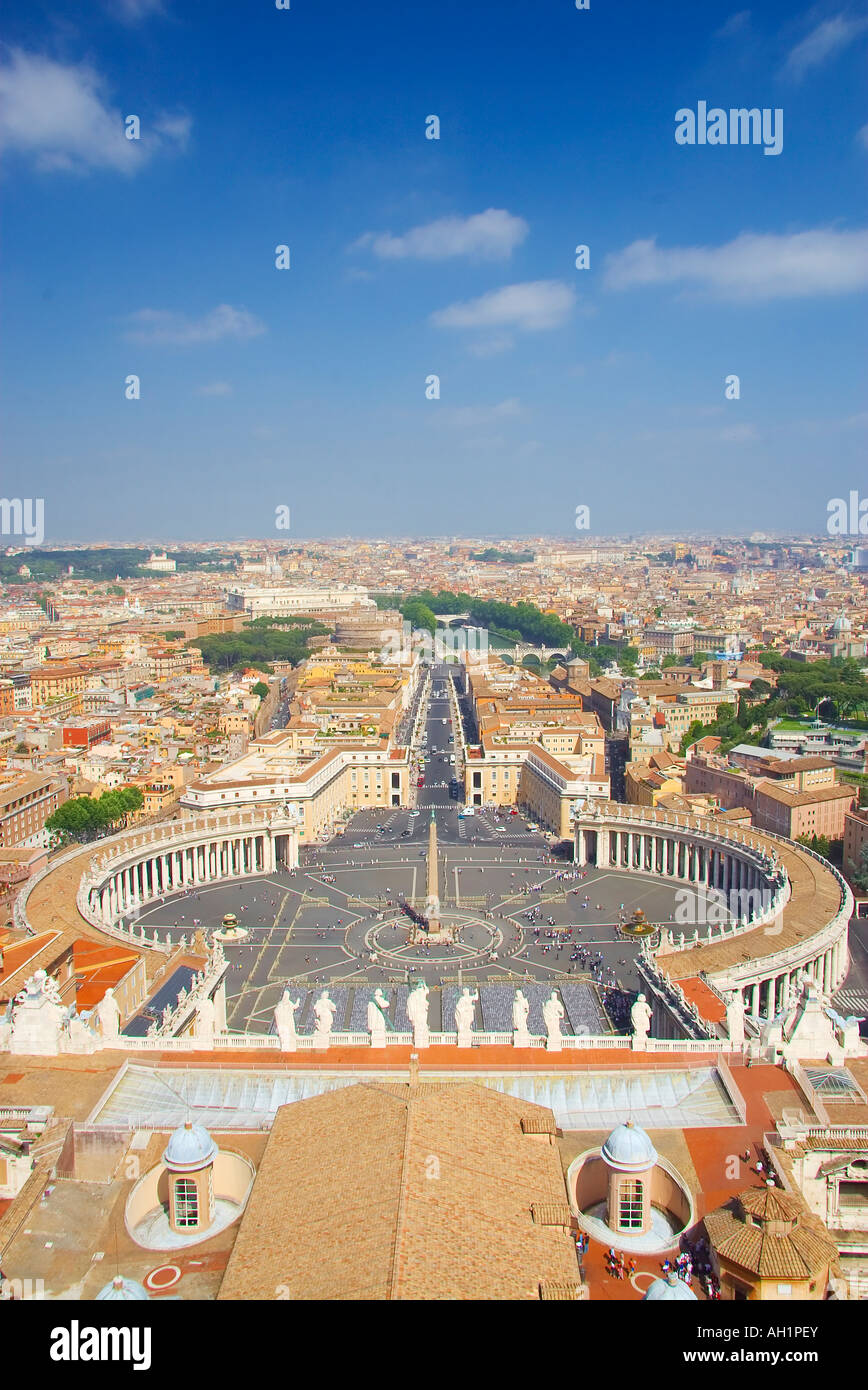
[417, 1012]
[465, 1012]
[520, 1011]
[284, 1021]
[378, 1008]
[79, 1037]
[108, 1016]
[640, 1018]
[37, 1017]
[553, 1013]
[203, 1027]
[735, 1018]
[324, 1012]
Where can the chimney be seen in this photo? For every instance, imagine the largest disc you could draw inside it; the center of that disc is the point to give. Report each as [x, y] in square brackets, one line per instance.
[414, 1070]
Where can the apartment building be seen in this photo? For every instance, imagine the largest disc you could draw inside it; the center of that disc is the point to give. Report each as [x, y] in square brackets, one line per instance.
[52, 681]
[324, 788]
[279, 600]
[855, 838]
[821, 811]
[789, 803]
[26, 801]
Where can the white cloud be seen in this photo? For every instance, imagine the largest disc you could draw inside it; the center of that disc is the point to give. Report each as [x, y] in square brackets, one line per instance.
[175, 128]
[215, 388]
[733, 25]
[752, 267]
[490, 347]
[476, 415]
[134, 11]
[828, 39]
[738, 434]
[59, 116]
[163, 326]
[492, 235]
[534, 305]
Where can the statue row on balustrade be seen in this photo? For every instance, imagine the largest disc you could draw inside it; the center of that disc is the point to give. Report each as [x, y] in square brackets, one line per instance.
[378, 1023]
[37, 1022]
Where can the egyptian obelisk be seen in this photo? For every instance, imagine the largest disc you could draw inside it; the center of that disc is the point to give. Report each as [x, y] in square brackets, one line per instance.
[432, 900]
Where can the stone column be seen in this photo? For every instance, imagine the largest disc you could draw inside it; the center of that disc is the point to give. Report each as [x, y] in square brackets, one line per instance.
[770, 998]
[841, 959]
[755, 1000]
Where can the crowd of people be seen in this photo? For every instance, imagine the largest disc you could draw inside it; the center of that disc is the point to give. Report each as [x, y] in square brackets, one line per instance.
[695, 1261]
[617, 1266]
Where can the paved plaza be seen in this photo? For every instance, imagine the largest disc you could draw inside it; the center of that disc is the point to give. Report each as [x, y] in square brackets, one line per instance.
[518, 913]
[338, 920]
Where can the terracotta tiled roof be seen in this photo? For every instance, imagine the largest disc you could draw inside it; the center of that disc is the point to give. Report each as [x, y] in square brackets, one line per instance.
[787, 1244]
[560, 1293]
[403, 1192]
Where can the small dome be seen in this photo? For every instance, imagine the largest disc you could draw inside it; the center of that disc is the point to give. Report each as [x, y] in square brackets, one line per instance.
[190, 1147]
[124, 1289]
[669, 1290]
[629, 1148]
[842, 624]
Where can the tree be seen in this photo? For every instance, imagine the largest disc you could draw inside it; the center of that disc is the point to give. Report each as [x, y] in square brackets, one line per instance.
[700, 658]
[670, 661]
[860, 875]
[173, 634]
[696, 731]
[260, 689]
[83, 817]
[818, 843]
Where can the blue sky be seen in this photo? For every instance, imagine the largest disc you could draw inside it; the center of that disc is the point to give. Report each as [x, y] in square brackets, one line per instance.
[412, 257]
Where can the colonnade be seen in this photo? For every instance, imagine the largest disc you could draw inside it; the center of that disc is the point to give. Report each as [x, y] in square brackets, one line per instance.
[765, 998]
[754, 888]
[653, 851]
[173, 870]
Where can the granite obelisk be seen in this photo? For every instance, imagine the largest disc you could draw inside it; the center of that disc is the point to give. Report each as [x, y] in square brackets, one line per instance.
[432, 898]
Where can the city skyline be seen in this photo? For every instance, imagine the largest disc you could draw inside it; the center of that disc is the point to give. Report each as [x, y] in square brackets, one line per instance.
[413, 257]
